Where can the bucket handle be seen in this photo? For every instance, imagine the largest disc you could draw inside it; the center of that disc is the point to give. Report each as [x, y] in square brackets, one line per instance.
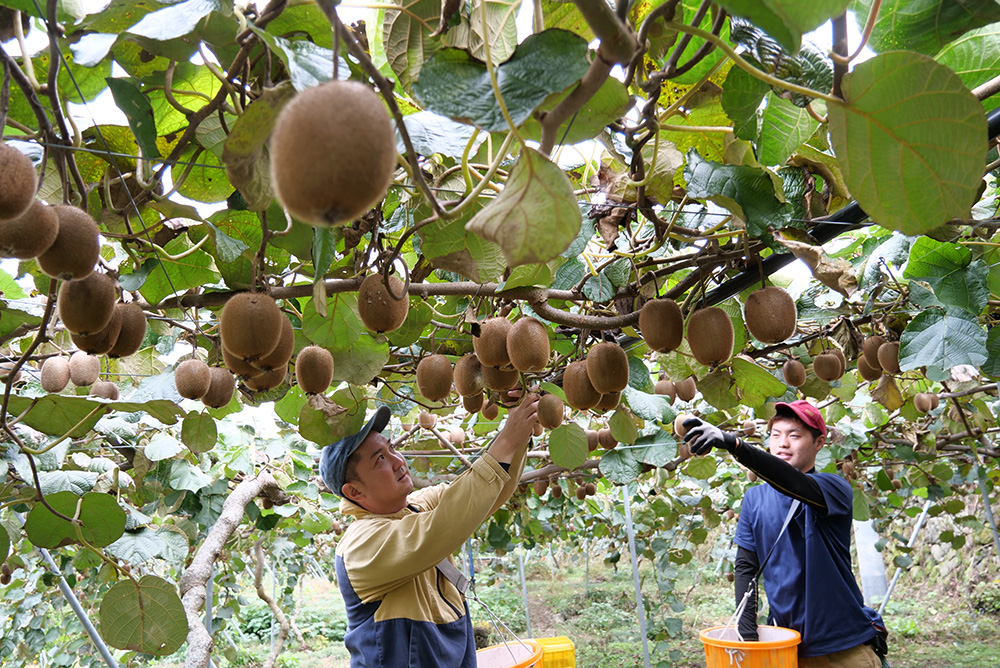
[736, 657]
[497, 622]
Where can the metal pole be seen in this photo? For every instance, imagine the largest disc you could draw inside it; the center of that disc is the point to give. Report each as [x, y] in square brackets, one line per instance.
[639, 608]
[586, 585]
[74, 603]
[913, 539]
[524, 595]
[209, 597]
[981, 475]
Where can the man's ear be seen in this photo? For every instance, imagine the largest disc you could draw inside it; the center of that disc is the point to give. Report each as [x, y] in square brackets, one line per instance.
[820, 442]
[351, 491]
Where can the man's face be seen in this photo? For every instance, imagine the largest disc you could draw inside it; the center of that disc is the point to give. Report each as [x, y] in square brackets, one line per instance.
[383, 477]
[791, 441]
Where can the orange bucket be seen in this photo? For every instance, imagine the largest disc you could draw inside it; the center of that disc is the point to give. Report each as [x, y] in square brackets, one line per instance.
[777, 648]
[511, 655]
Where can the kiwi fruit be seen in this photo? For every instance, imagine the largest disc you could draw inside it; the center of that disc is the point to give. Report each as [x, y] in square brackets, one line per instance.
[870, 350]
[473, 403]
[888, 357]
[468, 376]
[19, 182]
[267, 380]
[105, 389]
[684, 451]
[925, 402]
[710, 335]
[192, 378]
[537, 429]
[490, 411]
[770, 314]
[840, 356]
[76, 248]
[314, 369]
[457, 436]
[607, 367]
[427, 420]
[557, 491]
[86, 306]
[751, 476]
[666, 388]
[379, 310]
[686, 389]
[499, 379]
[250, 325]
[897, 484]
[866, 371]
[55, 374]
[550, 411]
[591, 488]
[220, 388]
[84, 369]
[282, 353]
[540, 486]
[132, 333]
[794, 372]
[605, 439]
[593, 440]
[581, 493]
[333, 152]
[434, 376]
[30, 234]
[826, 366]
[580, 393]
[608, 401]
[103, 341]
[5, 369]
[491, 344]
[528, 345]
[848, 468]
[238, 366]
[679, 429]
[661, 325]
[749, 427]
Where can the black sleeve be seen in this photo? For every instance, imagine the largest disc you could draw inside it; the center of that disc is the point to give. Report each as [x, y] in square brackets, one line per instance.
[505, 466]
[746, 568]
[781, 475]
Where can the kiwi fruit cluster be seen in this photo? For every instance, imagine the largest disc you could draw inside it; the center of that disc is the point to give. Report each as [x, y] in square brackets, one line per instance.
[132, 332]
[888, 357]
[267, 380]
[314, 369]
[828, 366]
[434, 377]
[528, 345]
[333, 153]
[770, 314]
[277, 359]
[925, 402]
[498, 379]
[379, 310]
[607, 367]
[250, 326]
[661, 325]
[474, 402]
[710, 335]
[609, 401]
[605, 440]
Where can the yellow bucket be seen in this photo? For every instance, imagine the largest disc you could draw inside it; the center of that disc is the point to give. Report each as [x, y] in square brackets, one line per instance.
[512, 655]
[777, 648]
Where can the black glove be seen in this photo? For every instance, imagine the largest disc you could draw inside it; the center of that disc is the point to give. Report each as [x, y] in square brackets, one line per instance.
[702, 437]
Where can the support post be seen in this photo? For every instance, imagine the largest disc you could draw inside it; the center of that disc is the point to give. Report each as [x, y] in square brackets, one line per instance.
[524, 594]
[639, 607]
[913, 539]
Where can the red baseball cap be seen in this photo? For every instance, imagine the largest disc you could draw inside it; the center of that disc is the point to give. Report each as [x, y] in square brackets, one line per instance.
[804, 411]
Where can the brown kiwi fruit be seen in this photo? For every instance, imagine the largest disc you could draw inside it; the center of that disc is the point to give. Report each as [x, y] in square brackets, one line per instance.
[751, 476]
[794, 372]
[710, 335]
[250, 325]
[528, 345]
[749, 427]
[591, 488]
[537, 429]
[826, 366]
[192, 378]
[19, 182]
[581, 493]
[427, 420]
[5, 369]
[607, 367]
[593, 440]
[76, 248]
[84, 369]
[333, 152]
[132, 333]
[314, 369]
[434, 376]
[666, 388]
[770, 314]
[267, 380]
[557, 491]
[888, 356]
[473, 403]
[105, 389]
[540, 486]
[897, 484]
[55, 374]
[870, 350]
[490, 411]
[679, 429]
[220, 389]
[925, 402]
[848, 468]
[103, 341]
[606, 440]
[840, 356]
[30, 234]
[608, 401]
[457, 436]
[86, 306]
[499, 379]
[282, 353]
[491, 344]
[468, 376]
[661, 325]
[580, 393]
[238, 365]
[866, 371]
[379, 310]
[686, 389]
[550, 411]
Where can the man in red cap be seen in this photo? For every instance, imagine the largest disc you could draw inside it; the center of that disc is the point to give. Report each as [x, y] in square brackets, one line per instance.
[796, 531]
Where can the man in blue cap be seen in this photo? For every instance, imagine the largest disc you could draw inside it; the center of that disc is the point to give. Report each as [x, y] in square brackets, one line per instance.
[404, 597]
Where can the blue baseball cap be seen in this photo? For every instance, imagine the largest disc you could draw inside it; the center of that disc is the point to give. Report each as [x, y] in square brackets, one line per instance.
[333, 459]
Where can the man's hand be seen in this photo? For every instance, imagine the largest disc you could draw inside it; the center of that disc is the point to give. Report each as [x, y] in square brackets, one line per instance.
[517, 431]
[702, 437]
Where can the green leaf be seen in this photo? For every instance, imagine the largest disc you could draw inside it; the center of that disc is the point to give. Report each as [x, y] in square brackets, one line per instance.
[910, 140]
[783, 128]
[448, 245]
[432, 134]
[648, 406]
[324, 251]
[638, 375]
[620, 466]
[138, 111]
[199, 432]
[747, 192]
[417, 318]
[924, 25]
[313, 426]
[102, 520]
[162, 446]
[568, 445]
[957, 279]
[755, 382]
[184, 475]
[172, 276]
[406, 36]
[992, 365]
[535, 217]
[786, 20]
[862, 511]
[174, 20]
[741, 98]
[359, 363]
[136, 547]
[974, 57]
[622, 427]
[942, 339]
[454, 84]
[4, 544]
[56, 414]
[701, 468]
[308, 64]
[655, 450]
[145, 616]
[340, 328]
[227, 249]
[607, 105]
